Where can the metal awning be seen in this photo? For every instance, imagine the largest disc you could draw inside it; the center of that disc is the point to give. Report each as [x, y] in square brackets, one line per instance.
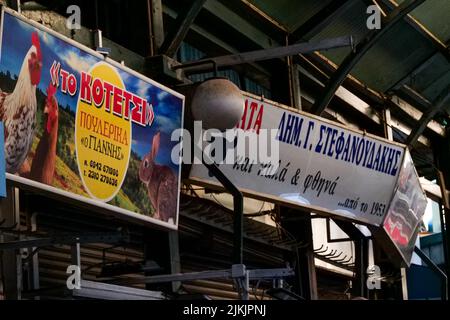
[407, 68]
[413, 55]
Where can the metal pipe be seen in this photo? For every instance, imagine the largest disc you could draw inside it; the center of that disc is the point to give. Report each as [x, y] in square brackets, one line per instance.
[238, 206]
[272, 53]
[256, 274]
[198, 63]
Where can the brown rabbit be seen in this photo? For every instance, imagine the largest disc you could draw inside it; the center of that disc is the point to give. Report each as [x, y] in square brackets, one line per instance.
[161, 184]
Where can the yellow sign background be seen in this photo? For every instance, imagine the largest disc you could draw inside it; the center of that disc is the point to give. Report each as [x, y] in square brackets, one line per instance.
[102, 161]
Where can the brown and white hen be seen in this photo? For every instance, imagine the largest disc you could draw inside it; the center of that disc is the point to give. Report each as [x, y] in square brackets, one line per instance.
[18, 108]
[44, 160]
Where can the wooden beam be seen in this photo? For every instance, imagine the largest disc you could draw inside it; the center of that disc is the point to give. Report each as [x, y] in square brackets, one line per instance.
[409, 94]
[182, 24]
[415, 114]
[428, 116]
[387, 125]
[432, 190]
[319, 62]
[357, 104]
[361, 49]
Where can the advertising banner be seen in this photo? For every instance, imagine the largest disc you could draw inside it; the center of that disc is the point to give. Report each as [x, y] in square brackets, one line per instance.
[322, 166]
[83, 126]
[406, 210]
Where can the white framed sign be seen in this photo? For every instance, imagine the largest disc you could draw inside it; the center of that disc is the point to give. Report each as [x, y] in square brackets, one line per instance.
[85, 127]
[322, 166]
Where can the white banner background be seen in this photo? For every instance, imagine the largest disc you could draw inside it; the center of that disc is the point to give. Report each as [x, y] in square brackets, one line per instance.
[358, 172]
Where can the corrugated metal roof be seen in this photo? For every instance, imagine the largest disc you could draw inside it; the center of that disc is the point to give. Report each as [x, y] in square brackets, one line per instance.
[433, 14]
[396, 56]
[420, 80]
[352, 21]
[290, 13]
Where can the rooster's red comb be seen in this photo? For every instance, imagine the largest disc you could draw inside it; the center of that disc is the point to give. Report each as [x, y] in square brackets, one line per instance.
[36, 44]
[51, 90]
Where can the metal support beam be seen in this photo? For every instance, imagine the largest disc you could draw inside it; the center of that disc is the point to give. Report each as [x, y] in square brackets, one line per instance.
[301, 257]
[429, 115]
[395, 103]
[442, 158]
[416, 98]
[273, 53]
[388, 134]
[361, 256]
[320, 20]
[238, 206]
[294, 84]
[435, 269]
[255, 274]
[34, 259]
[356, 104]
[207, 39]
[175, 264]
[183, 22]
[361, 265]
[97, 237]
[444, 215]
[361, 49]
[307, 265]
[444, 192]
[155, 25]
[10, 264]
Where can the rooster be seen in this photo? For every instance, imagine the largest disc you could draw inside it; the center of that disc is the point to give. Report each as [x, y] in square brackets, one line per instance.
[18, 109]
[43, 165]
